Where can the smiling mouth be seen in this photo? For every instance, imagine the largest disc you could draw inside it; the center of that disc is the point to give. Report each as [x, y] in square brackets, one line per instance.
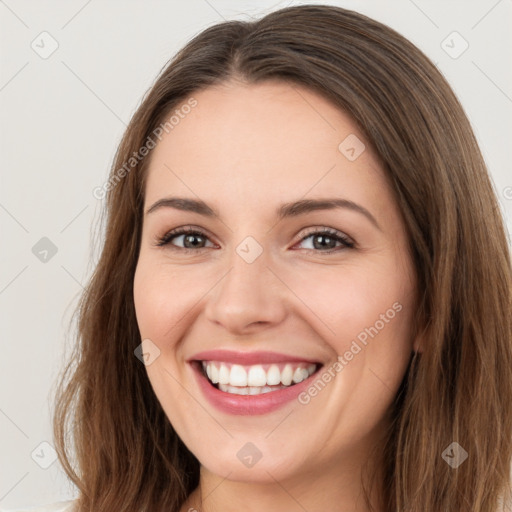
[255, 379]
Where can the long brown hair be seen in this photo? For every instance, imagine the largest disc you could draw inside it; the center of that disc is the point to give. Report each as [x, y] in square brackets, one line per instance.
[126, 455]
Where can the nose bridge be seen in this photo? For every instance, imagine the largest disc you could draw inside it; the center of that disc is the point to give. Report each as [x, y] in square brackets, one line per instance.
[248, 292]
[248, 273]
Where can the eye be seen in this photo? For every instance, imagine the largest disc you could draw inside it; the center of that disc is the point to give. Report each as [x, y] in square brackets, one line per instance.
[194, 240]
[327, 238]
[191, 238]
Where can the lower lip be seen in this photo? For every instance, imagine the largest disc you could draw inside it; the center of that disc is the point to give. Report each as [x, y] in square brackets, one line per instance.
[249, 404]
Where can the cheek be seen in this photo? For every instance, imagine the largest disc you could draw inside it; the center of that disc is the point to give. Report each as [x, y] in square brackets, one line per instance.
[159, 308]
[162, 300]
[364, 315]
[368, 313]
[347, 300]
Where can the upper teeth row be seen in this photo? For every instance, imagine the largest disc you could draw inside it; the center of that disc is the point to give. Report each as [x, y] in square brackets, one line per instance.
[256, 375]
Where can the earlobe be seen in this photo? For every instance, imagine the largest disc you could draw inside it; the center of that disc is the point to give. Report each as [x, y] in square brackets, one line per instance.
[419, 340]
[418, 344]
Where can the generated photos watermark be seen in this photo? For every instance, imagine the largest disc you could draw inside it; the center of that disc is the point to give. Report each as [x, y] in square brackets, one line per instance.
[328, 374]
[100, 192]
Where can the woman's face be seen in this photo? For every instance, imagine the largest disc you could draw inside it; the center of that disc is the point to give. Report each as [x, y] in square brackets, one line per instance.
[266, 291]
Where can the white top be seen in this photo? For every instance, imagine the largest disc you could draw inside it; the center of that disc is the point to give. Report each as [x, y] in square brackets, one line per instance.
[61, 506]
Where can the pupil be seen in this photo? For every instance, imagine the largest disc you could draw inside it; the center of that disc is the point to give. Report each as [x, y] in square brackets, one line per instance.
[189, 237]
[325, 238]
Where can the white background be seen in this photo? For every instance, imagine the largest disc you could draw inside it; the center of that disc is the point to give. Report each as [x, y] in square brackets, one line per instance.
[61, 120]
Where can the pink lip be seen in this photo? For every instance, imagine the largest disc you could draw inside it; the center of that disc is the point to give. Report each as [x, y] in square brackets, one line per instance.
[246, 405]
[248, 358]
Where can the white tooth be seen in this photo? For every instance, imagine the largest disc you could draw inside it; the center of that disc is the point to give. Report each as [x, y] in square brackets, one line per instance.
[257, 376]
[238, 376]
[249, 390]
[235, 390]
[298, 376]
[273, 376]
[287, 375]
[237, 380]
[223, 374]
[214, 377]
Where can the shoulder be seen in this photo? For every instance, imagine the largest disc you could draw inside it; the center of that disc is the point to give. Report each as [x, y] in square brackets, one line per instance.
[61, 506]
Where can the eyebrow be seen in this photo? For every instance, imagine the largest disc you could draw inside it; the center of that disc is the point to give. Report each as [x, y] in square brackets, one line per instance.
[293, 209]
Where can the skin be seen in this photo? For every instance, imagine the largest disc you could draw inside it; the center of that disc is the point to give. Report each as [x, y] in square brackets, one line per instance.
[246, 149]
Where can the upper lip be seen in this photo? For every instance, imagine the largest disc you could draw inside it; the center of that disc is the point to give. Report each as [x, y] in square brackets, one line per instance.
[248, 358]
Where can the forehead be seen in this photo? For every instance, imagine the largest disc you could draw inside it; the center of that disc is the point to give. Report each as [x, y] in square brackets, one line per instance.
[258, 143]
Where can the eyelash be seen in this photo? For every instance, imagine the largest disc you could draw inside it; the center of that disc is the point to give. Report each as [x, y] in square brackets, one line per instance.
[332, 233]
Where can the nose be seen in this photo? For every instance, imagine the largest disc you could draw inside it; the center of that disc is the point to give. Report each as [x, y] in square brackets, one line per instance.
[248, 297]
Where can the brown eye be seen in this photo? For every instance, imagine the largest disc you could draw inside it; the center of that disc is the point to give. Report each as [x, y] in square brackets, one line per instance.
[192, 239]
[327, 239]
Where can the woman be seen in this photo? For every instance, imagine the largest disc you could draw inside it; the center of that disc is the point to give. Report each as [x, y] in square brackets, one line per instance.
[303, 299]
